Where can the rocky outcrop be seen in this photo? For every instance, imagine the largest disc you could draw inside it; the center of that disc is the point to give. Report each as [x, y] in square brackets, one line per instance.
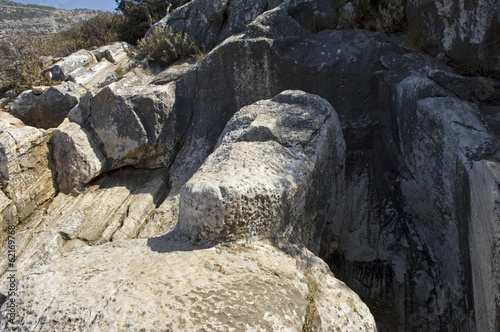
[82, 71]
[117, 207]
[275, 156]
[126, 123]
[64, 67]
[410, 224]
[26, 165]
[467, 31]
[208, 23]
[303, 130]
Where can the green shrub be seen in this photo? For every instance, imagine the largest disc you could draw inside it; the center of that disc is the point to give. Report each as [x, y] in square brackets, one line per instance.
[163, 46]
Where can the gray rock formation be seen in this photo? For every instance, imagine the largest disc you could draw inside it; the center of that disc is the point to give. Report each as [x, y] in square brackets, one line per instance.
[47, 110]
[473, 89]
[208, 23]
[129, 122]
[411, 224]
[271, 164]
[49, 107]
[26, 166]
[467, 31]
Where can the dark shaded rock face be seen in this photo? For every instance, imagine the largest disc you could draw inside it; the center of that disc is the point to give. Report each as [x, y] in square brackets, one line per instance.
[401, 237]
[401, 201]
[467, 31]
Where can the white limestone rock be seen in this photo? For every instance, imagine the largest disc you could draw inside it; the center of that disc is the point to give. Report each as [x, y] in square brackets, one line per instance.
[114, 207]
[64, 67]
[77, 156]
[161, 283]
[129, 122]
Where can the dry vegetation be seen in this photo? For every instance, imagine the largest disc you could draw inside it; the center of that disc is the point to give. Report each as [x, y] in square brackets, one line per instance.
[23, 56]
[163, 46]
[388, 16]
[311, 306]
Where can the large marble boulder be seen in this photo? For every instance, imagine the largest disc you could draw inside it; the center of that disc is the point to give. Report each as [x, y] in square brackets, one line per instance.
[48, 109]
[164, 284]
[267, 176]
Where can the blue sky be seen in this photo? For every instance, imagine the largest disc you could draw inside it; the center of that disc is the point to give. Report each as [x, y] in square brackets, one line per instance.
[108, 5]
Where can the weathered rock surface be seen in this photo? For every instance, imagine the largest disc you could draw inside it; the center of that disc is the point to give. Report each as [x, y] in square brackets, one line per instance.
[112, 59]
[413, 224]
[208, 23]
[48, 107]
[126, 123]
[484, 239]
[113, 208]
[266, 178]
[467, 31]
[124, 285]
[25, 165]
[64, 67]
[473, 89]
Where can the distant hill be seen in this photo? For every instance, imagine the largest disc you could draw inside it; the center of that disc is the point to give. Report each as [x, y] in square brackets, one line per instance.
[17, 18]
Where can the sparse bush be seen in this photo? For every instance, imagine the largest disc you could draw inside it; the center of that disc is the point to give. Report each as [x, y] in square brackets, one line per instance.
[392, 16]
[380, 15]
[163, 46]
[97, 31]
[140, 15]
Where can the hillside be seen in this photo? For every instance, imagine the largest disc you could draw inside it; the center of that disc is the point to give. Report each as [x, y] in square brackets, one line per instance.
[316, 169]
[17, 18]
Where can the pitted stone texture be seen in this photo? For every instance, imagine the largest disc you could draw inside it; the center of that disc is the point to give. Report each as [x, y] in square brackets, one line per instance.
[267, 176]
[128, 286]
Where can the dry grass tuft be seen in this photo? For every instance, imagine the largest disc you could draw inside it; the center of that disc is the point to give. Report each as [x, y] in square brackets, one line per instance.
[311, 306]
